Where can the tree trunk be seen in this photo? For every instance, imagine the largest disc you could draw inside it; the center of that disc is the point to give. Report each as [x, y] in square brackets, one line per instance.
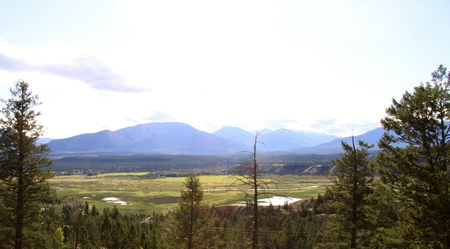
[355, 198]
[19, 212]
[255, 199]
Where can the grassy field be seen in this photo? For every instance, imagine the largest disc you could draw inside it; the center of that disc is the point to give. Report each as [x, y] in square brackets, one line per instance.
[159, 195]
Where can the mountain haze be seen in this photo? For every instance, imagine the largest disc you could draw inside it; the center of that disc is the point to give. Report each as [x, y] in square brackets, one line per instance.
[236, 134]
[278, 140]
[283, 139]
[151, 138]
[180, 138]
[334, 146]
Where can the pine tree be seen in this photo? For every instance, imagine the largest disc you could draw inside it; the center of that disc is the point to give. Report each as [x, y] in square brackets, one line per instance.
[106, 229]
[352, 177]
[414, 162]
[90, 232]
[190, 226]
[386, 218]
[23, 181]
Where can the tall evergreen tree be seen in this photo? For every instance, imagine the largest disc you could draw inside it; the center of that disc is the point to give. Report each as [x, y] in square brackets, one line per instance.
[352, 177]
[414, 162]
[23, 181]
[106, 229]
[190, 227]
[386, 217]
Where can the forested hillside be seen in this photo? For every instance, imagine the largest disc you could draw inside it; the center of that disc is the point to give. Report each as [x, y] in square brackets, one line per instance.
[182, 164]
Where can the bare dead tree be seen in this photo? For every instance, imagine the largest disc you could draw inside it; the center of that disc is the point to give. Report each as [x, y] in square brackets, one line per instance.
[250, 175]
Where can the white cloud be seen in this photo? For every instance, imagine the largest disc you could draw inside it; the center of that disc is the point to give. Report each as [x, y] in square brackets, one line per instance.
[87, 69]
[251, 64]
[158, 116]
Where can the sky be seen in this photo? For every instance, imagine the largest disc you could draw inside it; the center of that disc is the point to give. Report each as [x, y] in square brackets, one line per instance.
[326, 66]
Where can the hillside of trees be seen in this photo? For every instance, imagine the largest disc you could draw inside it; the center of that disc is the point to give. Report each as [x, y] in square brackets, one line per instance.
[181, 164]
[396, 198]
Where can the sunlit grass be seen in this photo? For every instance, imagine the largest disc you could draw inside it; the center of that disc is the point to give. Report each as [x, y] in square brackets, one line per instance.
[116, 174]
[162, 194]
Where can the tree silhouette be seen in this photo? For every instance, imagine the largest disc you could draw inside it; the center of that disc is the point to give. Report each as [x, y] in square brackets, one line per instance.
[23, 181]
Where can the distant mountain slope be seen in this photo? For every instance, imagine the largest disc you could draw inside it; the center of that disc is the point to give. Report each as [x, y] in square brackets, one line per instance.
[151, 138]
[101, 141]
[278, 140]
[183, 139]
[370, 137]
[236, 134]
[44, 140]
[283, 139]
[265, 131]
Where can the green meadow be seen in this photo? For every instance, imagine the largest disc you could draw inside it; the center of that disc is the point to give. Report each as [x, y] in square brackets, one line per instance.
[160, 195]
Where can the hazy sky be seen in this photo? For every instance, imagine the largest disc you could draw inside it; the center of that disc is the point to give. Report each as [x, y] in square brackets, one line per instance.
[325, 66]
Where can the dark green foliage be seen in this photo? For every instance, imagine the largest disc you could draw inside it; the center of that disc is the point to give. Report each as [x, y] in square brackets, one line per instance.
[387, 218]
[278, 228]
[23, 181]
[352, 178]
[189, 226]
[90, 233]
[418, 173]
[109, 229]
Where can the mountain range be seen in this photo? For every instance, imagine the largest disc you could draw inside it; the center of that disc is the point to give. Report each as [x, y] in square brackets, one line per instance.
[180, 138]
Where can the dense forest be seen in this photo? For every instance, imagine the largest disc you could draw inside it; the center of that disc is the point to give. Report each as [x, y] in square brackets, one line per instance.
[398, 198]
[180, 165]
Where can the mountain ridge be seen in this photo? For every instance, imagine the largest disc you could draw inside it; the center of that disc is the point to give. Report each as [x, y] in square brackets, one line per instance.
[181, 138]
[153, 138]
